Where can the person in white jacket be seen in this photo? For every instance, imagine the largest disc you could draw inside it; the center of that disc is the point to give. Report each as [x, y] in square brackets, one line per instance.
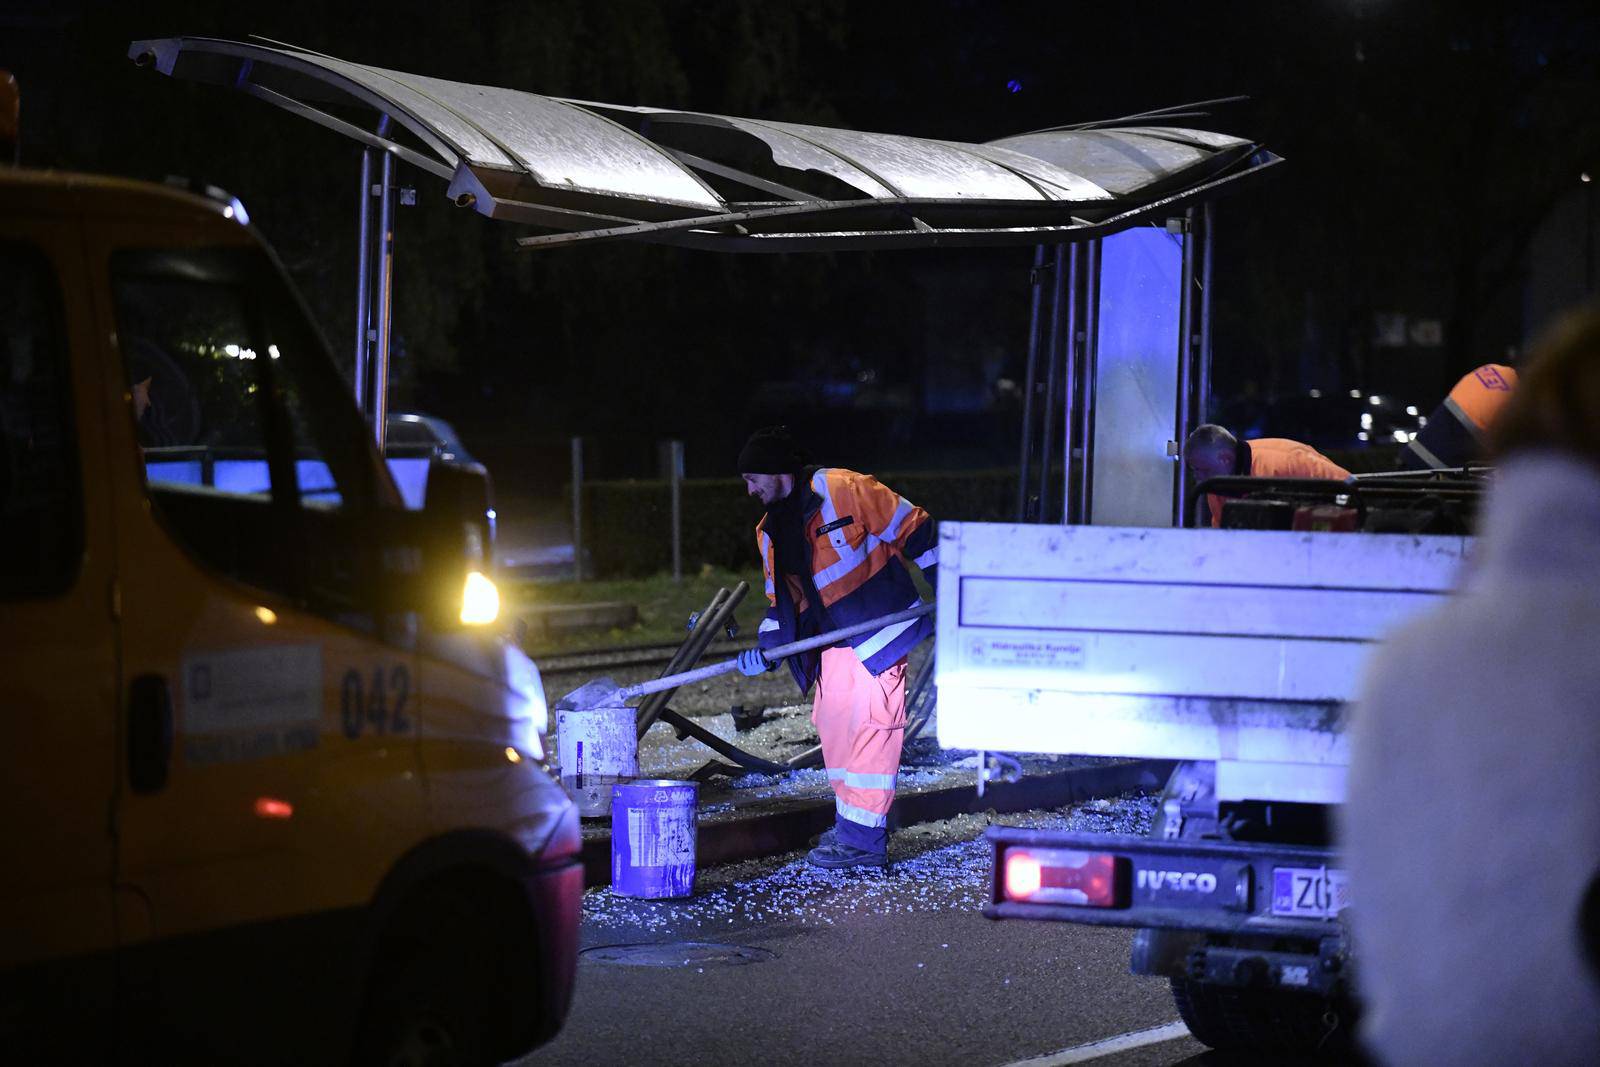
[1472, 829]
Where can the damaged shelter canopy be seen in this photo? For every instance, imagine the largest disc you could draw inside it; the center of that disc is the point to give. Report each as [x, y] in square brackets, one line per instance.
[586, 171]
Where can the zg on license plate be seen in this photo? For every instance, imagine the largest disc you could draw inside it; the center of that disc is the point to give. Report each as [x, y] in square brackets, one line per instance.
[1314, 892]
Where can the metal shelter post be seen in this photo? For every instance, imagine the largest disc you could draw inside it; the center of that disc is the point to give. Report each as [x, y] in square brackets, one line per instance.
[577, 508]
[379, 405]
[1053, 356]
[1069, 364]
[1091, 315]
[1036, 279]
[675, 477]
[1186, 358]
[363, 279]
[1203, 390]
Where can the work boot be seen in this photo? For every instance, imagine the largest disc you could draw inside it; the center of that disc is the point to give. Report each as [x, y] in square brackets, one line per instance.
[838, 856]
[827, 839]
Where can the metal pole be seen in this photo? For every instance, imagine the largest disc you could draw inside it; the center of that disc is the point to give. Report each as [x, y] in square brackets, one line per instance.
[380, 367]
[1186, 350]
[1091, 344]
[1588, 234]
[1027, 387]
[1203, 397]
[675, 477]
[363, 278]
[1069, 368]
[700, 636]
[577, 509]
[651, 707]
[1053, 353]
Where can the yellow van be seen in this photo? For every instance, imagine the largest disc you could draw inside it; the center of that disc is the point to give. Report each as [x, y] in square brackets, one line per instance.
[272, 786]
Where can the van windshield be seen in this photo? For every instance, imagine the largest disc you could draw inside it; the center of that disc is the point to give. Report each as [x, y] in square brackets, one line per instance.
[242, 419]
[220, 361]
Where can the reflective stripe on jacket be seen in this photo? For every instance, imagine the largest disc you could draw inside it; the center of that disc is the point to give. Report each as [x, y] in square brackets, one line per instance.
[858, 532]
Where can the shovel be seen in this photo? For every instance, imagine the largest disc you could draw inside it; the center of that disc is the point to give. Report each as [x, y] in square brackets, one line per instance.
[605, 693]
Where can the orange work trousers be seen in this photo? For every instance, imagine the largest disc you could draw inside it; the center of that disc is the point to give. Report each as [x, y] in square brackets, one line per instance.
[861, 721]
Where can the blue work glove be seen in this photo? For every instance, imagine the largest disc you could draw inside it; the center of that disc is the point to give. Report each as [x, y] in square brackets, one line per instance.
[752, 663]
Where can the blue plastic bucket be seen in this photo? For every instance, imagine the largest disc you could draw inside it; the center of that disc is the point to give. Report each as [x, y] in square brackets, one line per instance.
[653, 824]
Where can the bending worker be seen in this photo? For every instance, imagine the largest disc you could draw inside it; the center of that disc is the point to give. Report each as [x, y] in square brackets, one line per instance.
[1213, 452]
[832, 546]
[1457, 430]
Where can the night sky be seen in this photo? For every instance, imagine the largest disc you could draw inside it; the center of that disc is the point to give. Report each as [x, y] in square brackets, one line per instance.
[1433, 186]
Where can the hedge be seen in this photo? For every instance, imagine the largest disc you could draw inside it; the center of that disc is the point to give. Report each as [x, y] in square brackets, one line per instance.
[627, 525]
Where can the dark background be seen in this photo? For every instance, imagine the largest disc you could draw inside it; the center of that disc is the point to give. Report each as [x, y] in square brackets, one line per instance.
[1435, 154]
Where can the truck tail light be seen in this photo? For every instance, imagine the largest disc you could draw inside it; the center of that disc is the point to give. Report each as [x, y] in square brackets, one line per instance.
[1024, 877]
[1062, 876]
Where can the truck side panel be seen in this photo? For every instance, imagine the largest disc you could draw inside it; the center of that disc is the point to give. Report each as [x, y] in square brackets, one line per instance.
[1230, 645]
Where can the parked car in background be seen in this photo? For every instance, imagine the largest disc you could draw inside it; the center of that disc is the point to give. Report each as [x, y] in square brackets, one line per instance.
[413, 441]
[411, 429]
[1337, 421]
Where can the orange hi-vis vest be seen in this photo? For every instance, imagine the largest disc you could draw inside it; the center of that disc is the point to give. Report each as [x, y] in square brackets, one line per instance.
[1458, 429]
[1277, 457]
[858, 531]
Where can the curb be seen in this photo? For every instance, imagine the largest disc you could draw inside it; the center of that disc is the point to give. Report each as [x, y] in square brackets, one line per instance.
[791, 827]
[547, 620]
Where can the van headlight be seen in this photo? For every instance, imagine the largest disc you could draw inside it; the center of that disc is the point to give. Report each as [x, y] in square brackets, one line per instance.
[480, 600]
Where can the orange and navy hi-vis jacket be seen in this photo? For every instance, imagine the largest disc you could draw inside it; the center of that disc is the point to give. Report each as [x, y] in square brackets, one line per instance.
[1277, 457]
[1457, 431]
[858, 531]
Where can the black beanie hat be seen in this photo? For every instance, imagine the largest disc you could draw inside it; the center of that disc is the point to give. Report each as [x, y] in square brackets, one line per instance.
[770, 451]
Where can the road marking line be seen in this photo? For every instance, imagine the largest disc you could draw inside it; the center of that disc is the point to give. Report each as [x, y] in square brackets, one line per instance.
[1094, 1050]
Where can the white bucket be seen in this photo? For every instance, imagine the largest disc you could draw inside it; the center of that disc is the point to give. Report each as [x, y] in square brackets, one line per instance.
[597, 748]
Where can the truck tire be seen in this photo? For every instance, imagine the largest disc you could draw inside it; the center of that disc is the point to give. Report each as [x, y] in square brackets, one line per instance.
[1266, 1021]
[1270, 1022]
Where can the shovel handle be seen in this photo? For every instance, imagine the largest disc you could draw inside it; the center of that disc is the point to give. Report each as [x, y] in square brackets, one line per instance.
[773, 655]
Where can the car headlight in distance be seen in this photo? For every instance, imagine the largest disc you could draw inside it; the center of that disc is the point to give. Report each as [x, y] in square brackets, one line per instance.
[480, 600]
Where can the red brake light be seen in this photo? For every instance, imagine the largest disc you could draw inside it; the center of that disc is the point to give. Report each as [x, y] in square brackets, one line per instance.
[1061, 876]
[1023, 875]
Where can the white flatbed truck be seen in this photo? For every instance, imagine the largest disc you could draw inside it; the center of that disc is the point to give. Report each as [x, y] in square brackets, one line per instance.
[1231, 651]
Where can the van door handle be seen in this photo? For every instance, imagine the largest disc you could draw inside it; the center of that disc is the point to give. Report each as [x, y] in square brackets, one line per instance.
[149, 733]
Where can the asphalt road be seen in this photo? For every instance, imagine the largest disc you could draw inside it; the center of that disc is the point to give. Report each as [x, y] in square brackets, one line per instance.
[854, 968]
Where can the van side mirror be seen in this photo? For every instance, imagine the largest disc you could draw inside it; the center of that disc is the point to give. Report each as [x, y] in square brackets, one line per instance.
[436, 561]
[462, 493]
[458, 515]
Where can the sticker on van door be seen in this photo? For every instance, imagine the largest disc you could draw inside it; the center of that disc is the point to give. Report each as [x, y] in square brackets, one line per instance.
[251, 703]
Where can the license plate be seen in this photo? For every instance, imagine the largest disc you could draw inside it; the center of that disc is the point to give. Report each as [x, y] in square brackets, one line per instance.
[1309, 892]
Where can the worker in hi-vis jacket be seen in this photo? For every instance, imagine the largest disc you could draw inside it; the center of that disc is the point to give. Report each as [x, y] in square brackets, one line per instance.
[1213, 452]
[832, 546]
[1457, 432]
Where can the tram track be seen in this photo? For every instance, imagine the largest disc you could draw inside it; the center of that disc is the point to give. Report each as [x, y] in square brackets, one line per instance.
[626, 656]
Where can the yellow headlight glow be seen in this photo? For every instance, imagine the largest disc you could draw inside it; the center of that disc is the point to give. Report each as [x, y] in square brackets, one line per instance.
[480, 600]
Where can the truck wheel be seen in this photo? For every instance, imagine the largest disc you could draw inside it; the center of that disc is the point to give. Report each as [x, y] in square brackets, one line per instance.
[1268, 1021]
